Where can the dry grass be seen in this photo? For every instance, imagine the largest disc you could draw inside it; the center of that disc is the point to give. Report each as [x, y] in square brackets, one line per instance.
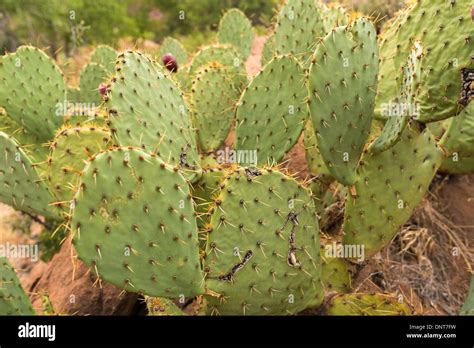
[432, 256]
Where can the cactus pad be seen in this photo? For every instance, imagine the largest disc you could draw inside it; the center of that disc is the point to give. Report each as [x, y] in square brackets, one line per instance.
[468, 306]
[21, 186]
[334, 15]
[105, 56]
[225, 55]
[147, 110]
[213, 99]
[134, 224]
[272, 111]
[236, 29]
[342, 85]
[299, 25]
[389, 186]
[447, 59]
[367, 304]
[335, 274]
[73, 95]
[13, 299]
[70, 150]
[458, 141]
[405, 103]
[173, 46]
[92, 76]
[313, 156]
[262, 255]
[32, 90]
[268, 50]
[160, 306]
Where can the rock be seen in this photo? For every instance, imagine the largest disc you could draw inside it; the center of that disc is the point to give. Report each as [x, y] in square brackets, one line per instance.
[73, 289]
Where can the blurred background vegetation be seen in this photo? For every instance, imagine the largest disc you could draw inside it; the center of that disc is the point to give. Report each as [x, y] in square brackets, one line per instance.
[65, 25]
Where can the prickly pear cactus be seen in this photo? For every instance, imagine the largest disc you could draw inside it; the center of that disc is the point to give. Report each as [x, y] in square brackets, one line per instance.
[389, 186]
[268, 50]
[447, 61]
[299, 24]
[135, 231]
[367, 305]
[316, 164]
[13, 299]
[70, 150]
[342, 86]
[73, 95]
[458, 141]
[106, 57]
[160, 306]
[272, 110]
[262, 256]
[213, 99]
[203, 192]
[225, 55]
[22, 187]
[334, 15]
[147, 110]
[92, 76]
[335, 273]
[468, 306]
[173, 46]
[236, 29]
[404, 103]
[32, 91]
[21, 135]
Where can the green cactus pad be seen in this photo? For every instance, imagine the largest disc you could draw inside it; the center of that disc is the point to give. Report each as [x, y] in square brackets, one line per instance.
[92, 75]
[173, 46]
[447, 55]
[335, 273]
[268, 50]
[30, 140]
[134, 224]
[468, 306]
[70, 150]
[262, 256]
[458, 141]
[160, 307]
[342, 86]
[388, 188]
[106, 57]
[236, 29]
[13, 299]
[388, 88]
[397, 121]
[204, 192]
[183, 79]
[32, 90]
[213, 99]
[147, 110]
[333, 16]
[73, 95]
[225, 55]
[299, 26]
[439, 128]
[322, 195]
[316, 164]
[361, 304]
[21, 185]
[272, 111]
